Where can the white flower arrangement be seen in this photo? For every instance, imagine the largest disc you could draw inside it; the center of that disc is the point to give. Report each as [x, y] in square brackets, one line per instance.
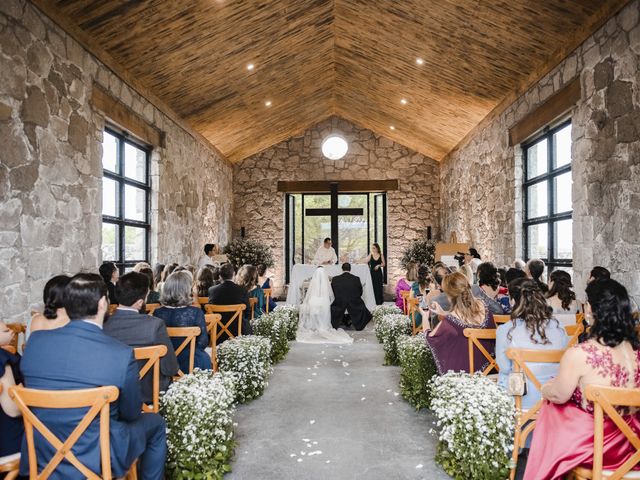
[198, 410]
[475, 422]
[387, 330]
[248, 359]
[274, 326]
[292, 313]
[417, 369]
[248, 252]
[380, 311]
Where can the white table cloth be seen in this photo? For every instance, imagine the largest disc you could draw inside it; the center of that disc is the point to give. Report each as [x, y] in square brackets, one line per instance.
[302, 272]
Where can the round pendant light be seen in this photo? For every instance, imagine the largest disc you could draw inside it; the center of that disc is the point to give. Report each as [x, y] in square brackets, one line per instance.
[334, 147]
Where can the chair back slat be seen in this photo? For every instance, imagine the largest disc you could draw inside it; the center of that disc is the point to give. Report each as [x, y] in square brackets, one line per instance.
[189, 334]
[405, 294]
[412, 307]
[474, 335]
[203, 301]
[152, 356]
[213, 320]
[112, 308]
[574, 332]
[18, 329]
[252, 304]
[96, 399]
[525, 420]
[500, 319]
[237, 310]
[151, 307]
[267, 297]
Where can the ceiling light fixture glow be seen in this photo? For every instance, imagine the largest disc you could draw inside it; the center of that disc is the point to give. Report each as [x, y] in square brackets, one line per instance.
[334, 147]
[392, 127]
[419, 61]
[250, 66]
[403, 101]
[267, 103]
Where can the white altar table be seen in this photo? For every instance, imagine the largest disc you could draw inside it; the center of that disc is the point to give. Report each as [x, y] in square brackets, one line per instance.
[302, 272]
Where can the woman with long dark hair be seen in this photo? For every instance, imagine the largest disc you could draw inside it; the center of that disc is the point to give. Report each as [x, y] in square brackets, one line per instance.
[376, 263]
[563, 437]
[560, 296]
[54, 314]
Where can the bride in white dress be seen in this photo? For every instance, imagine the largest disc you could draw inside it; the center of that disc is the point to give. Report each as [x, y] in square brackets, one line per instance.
[315, 313]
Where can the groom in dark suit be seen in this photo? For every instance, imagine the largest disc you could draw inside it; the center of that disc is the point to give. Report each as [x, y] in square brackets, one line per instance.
[347, 291]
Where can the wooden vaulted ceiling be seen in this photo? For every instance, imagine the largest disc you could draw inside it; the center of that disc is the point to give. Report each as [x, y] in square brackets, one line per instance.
[317, 58]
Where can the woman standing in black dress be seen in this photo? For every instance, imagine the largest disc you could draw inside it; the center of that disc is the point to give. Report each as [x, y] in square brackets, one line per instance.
[376, 263]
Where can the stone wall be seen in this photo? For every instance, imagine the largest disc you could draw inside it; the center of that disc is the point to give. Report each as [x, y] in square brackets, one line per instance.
[481, 181]
[260, 208]
[51, 170]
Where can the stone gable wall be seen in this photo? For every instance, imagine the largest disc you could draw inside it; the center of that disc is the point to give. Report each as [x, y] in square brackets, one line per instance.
[51, 170]
[260, 208]
[481, 195]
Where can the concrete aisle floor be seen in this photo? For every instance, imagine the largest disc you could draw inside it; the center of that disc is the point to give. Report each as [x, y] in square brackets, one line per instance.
[333, 412]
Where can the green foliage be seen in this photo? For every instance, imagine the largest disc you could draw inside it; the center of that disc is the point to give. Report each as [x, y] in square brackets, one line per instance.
[248, 252]
[198, 410]
[421, 252]
[388, 329]
[274, 326]
[248, 359]
[475, 420]
[417, 369]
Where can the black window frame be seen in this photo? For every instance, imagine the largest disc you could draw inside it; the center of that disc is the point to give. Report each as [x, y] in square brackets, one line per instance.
[550, 218]
[120, 221]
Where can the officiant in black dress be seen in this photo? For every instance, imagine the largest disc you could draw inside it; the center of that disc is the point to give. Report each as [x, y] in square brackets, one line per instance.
[347, 291]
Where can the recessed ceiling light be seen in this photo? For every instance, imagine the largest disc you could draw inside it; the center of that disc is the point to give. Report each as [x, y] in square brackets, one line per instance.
[334, 147]
[403, 101]
[392, 127]
[267, 103]
[419, 61]
[250, 66]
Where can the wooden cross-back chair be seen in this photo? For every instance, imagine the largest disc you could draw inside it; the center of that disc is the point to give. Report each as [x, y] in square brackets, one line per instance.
[201, 301]
[500, 319]
[151, 307]
[152, 355]
[574, 332]
[237, 310]
[267, 297]
[189, 334]
[405, 294]
[525, 419]
[252, 304]
[474, 335]
[412, 307]
[96, 399]
[605, 399]
[10, 464]
[212, 320]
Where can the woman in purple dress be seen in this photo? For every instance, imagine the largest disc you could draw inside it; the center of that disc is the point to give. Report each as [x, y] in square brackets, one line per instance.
[406, 283]
[447, 342]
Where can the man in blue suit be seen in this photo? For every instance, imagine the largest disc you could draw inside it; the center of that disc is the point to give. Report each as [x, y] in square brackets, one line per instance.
[79, 355]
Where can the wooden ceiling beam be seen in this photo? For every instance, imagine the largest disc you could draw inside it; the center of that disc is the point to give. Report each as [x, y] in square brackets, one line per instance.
[344, 186]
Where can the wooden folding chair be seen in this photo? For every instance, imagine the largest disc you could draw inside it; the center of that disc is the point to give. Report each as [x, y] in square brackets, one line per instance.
[267, 297]
[237, 315]
[405, 294]
[112, 308]
[152, 355]
[202, 301]
[10, 464]
[212, 320]
[18, 329]
[500, 319]
[190, 334]
[252, 304]
[9, 348]
[474, 335]
[412, 306]
[605, 399]
[96, 399]
[151, 307]
[574, 332]
[525, 419]
[579, 317]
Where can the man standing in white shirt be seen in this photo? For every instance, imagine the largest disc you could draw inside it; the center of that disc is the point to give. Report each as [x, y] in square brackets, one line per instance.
[209, 251]
[325, 255]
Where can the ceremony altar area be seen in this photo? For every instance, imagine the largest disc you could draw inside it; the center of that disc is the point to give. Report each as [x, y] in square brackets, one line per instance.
[302, 272]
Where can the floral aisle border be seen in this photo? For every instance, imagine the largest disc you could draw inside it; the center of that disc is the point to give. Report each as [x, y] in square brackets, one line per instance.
[388, 329]
[417, 369]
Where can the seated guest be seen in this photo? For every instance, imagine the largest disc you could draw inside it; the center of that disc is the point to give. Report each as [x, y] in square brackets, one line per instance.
[247, 278]
[177, 311]
[446, 341]
[157, 274]
[79, 355]
[215, 272]
[228, 293]
[153, 296]
[563, 437]
[209, 251]
[599, 273]
[512, 274]
[168, 270]
[436, 294]
[532, 327]
[265, 282]
[135, 329]
[421, 288]
[204, 281]
[405, 283]
[560, 296]
[54, 315]
[110, 274]
[138, 267]
[11, 426]
[487, 288]
[534, 269]
[519, 264]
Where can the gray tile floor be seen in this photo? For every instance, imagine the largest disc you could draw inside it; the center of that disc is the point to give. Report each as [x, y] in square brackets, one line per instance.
[332, 412]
